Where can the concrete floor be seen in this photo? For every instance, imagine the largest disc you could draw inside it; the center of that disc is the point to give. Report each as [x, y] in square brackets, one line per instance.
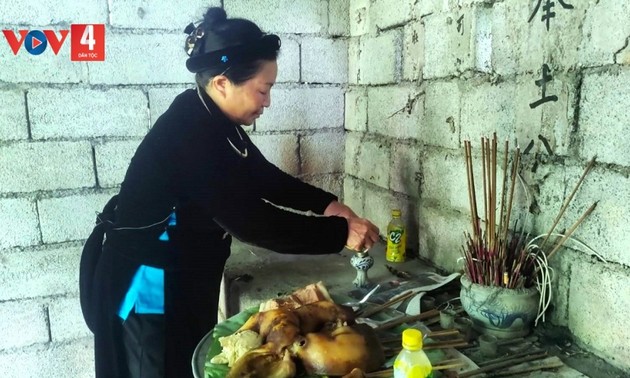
[254, 275]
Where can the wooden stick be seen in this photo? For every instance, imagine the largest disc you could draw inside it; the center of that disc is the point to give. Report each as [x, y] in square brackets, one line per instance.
[504, 188]
[446, 344]
[449, 361]
[441, 345]
[474, 192]
[494, 192]
[391, 302]
[471, 189]
[508, 357]
[431, 335]
[501, 365]
[487, 163]
[511, 197]
[407, 319]
[432, 321]
[484, 174]
[449, 366]
[380, 374]
[570, 231]
[547, 363]
[470, 200]
[443, 333]
[568, 200]
[392, 339]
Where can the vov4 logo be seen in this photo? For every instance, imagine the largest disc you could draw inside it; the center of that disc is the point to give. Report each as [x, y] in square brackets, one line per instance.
[87, 41]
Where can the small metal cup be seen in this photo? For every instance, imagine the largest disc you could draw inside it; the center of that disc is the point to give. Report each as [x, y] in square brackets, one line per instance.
[427, 303]
[447, 319]
[488, 345]
[465, 327]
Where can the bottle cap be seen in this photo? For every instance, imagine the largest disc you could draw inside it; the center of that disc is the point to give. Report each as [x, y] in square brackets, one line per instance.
[412, 339]
[395, 212]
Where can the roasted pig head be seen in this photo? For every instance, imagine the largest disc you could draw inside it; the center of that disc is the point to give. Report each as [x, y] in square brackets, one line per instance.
[340, 350]
[314, 316]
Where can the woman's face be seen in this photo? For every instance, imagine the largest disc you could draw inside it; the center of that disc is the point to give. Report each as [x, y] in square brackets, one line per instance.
[245, 102]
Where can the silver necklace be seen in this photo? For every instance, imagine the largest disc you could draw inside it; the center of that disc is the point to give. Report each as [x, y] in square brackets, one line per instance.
[241, 154]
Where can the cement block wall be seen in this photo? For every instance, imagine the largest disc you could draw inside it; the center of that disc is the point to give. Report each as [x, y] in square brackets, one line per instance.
[426, 75]
[407, 80]
[68, 130]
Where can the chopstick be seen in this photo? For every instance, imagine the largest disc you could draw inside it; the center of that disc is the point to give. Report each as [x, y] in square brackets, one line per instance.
[435, 334]
[407, 319]
[457, 343]
[502, 365]
[400, 298]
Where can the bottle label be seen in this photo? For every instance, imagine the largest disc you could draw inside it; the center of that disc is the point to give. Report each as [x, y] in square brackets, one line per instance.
[404, 369]
[395, 236]
[396, 245]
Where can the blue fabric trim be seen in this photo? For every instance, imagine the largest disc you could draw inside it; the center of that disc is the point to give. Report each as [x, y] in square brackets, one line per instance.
[145, 294]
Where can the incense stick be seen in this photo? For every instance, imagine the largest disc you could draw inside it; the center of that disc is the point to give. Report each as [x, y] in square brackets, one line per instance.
[490, 255]
[570, 231]
[493, 255]
[568, 200]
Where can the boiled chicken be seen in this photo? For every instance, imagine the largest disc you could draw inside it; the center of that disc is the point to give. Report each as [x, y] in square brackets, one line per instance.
[263, 363]
[278, 327]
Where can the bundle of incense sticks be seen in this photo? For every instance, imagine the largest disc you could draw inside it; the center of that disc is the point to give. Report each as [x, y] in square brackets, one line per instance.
[494, 256]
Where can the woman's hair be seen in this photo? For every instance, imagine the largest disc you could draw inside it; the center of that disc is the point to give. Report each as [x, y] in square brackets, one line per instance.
[232, 47]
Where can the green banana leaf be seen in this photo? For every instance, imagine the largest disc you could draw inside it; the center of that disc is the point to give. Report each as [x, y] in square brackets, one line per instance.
[225, 328]
[232, 324]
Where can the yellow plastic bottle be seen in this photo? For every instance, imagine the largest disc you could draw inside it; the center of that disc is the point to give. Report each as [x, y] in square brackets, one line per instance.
[396, 238]
[412, 362]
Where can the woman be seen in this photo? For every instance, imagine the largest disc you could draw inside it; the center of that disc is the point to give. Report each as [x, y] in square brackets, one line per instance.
[195, 181]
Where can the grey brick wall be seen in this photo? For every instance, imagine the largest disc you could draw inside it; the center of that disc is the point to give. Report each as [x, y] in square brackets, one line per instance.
[599, 92]
[69, 218]
[33, 166]
[19, 216]
[320, 152]
[13, 124]
[23, 324]
[49, 67]
[395, 111]
[69, 129]
[356, 109]
[112, 159]
[308, 16]
[280, 150]
[86, 113]
[425, 76]
[324, 60]
[384, 48]
[303, 107]
[373, 102]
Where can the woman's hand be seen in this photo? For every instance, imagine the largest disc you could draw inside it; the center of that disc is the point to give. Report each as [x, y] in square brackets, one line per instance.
[338, 209]
[362, 234]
